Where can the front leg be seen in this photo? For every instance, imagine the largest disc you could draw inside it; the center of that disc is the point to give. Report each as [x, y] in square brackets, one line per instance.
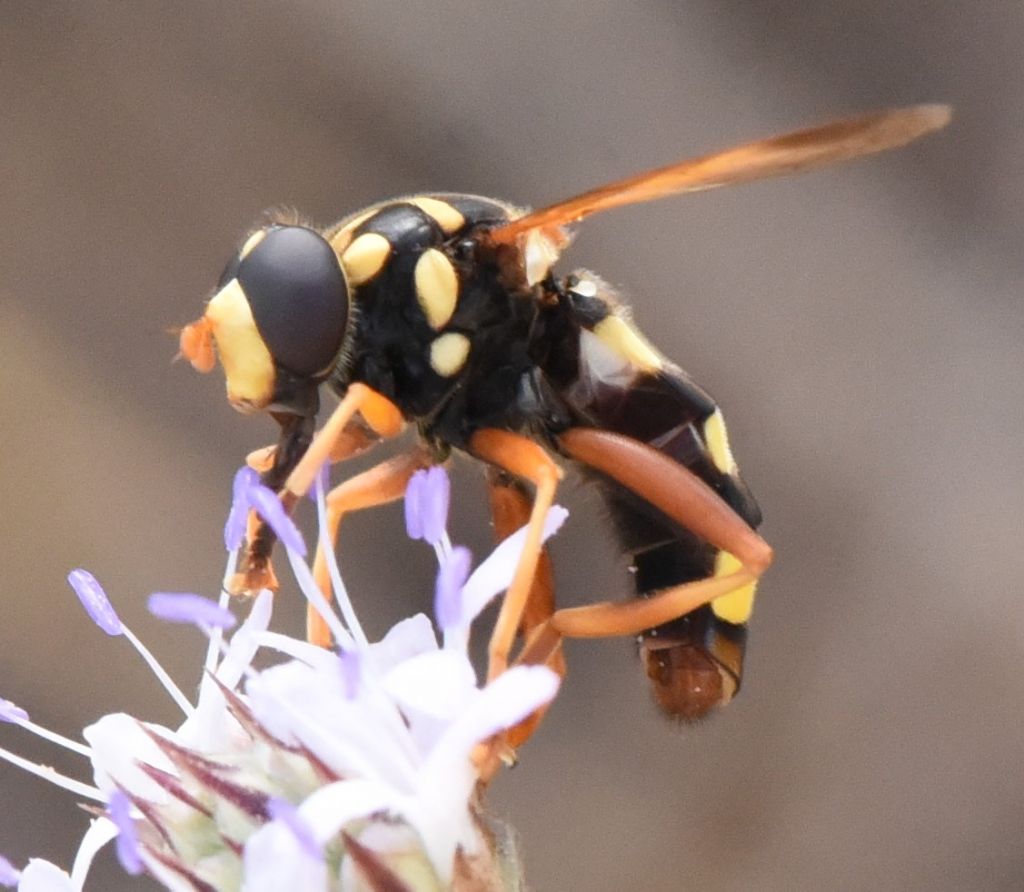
[360, 419]
[256, 572]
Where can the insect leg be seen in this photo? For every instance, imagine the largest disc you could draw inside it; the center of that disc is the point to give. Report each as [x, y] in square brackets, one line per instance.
[290, 467]
[257, 572]
[381, 415]
[379, 485]
[354, 440]
[511, 508]
[686, 499]
[525, 459]
[511, 505]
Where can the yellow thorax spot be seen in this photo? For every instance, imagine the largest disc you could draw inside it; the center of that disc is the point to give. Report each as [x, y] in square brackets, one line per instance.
[448, 353]
[365, 257]
[448, 218]
[341, 238]
[624, 339]
[437, 287]
[718, 443]
[248, 365]
[736, 606]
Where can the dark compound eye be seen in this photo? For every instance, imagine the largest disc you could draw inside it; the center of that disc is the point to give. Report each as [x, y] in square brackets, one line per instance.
[230, 271]
[299, 298]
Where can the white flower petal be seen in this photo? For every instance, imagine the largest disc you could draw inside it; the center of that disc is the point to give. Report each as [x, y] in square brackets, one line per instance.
[246, 641]
[363, 737]
[211, 727]
[438, 684]
[304, 577]
[447, 780]
[407, 639]
[507, 700]
[440, 809]
[443, 820]
[330, 808]
[42, 876]
[274, 859]
[118, 745]
[495, 574]
[310, 654]
[100, 832]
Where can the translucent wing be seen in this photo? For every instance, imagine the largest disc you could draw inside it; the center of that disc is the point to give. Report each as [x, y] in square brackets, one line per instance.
[779, 155]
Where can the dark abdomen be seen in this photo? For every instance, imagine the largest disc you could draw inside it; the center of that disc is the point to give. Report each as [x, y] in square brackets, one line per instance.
[695, 663]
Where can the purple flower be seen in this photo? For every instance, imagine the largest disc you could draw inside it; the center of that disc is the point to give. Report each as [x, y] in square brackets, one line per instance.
[120, 812]
[247, 492]
[269, 507]
[377, 746]
[234, 529]
[351, 670]
[321, 483]
[178, 607]
[282, 810]
[9, 874]
[451, 577]
[95, 601]
[426, 505]
[11, 712]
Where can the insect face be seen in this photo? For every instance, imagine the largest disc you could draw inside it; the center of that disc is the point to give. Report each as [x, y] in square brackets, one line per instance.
[279, 320]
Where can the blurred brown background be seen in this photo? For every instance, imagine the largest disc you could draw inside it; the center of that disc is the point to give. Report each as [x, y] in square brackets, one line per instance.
[861, 326]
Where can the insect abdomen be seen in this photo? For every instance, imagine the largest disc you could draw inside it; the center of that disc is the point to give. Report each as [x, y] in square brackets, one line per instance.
[695, 662]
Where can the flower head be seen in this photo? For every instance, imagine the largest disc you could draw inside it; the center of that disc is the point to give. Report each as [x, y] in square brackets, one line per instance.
[327, 767]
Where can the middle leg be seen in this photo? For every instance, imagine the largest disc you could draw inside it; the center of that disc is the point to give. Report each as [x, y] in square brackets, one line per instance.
[525, 459]
[379, 485]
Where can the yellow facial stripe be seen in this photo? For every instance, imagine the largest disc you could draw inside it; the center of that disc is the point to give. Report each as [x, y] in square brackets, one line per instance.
[248, 366]
[365, 257]
[448, 353]
[437, 287]
[718, 443]
[251, 242]
[620, 336]
[449, 219]
[736, 606]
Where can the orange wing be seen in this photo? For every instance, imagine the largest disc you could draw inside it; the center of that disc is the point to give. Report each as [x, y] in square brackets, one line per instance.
[779, 155]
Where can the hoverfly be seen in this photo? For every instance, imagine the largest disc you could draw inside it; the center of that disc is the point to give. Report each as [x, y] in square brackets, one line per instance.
[442, 311]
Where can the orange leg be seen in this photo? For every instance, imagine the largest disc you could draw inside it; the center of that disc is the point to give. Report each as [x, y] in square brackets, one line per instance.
[379, 485]
[257, 571]
[343, 436]
[523, 458]
[689, 501]
[380, 414]
[352, 441]
[511, 507]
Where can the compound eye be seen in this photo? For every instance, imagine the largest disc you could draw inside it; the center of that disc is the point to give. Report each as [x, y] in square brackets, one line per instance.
[230, 272]
[298, 295]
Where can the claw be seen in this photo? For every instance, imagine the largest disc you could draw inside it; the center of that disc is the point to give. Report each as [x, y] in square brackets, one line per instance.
[250, 581]
[262, 460]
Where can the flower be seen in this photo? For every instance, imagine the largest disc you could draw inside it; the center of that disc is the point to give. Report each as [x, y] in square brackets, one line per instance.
[331, 769]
